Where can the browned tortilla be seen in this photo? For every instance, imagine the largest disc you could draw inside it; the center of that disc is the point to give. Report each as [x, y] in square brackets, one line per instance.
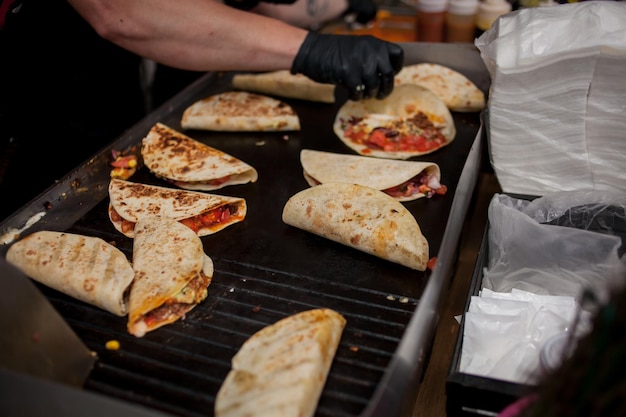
[360, 217]
[240, 111]
[190, 164]
[280, 371]
[84, 267]
[167, 259]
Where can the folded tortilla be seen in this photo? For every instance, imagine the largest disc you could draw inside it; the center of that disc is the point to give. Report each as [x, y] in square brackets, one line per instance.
[360, 217]
[403, 180]
[84, 267]
[190, 164]
[172, 274]
[285, 84]
[411, 121]
[455, 89]
[281, 370]
[240, 111]
[204, 213]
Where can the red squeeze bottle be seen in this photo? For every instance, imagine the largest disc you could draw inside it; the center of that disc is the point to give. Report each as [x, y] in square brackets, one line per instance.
[430, 20]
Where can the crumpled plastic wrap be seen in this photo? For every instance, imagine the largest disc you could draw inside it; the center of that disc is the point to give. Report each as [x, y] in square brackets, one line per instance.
[561, 244]
[557, 99]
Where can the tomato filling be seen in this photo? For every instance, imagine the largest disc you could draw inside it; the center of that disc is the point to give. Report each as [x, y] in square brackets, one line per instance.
[415, 134]
[424, 183]
[206, 220]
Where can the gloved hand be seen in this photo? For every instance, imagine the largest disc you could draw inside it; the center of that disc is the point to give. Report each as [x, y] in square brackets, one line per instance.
[249, 4]
[363, 64]
[364, 10]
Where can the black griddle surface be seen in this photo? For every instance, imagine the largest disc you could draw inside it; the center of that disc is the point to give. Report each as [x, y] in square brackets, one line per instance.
[265, 270]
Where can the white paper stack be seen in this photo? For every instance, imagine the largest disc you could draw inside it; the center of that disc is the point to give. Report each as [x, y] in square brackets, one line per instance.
[504, 333]
[557, 104]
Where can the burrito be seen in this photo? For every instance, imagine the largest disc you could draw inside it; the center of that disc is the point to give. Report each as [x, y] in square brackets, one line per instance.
[84, 267]
[360, 217]
[403, 180]
[190, 164]
[172, 274]
[203, 213]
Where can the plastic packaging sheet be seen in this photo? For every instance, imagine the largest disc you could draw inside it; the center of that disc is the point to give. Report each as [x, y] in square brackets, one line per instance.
[557, 98]
[543, 254]
[559, 244]
[504, 333]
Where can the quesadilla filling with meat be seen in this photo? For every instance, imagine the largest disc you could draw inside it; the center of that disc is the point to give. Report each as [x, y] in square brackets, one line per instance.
[402, 180]
[209, 220]
[172, 274]
[411, 121]
[391, 134]
[176, 306]
[423, 183]
[203, 213]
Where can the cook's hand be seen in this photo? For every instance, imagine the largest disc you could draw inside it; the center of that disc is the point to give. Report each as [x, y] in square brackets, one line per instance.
[364, 10]
[249, 4]
[363, 64]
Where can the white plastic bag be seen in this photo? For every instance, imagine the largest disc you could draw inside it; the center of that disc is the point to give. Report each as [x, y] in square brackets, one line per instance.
[530, 255]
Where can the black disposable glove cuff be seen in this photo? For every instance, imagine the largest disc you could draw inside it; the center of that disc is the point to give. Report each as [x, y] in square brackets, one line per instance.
[299, 63]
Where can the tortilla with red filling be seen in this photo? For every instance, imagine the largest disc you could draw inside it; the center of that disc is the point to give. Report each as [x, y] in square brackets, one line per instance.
[203, 213]
[403, 180]
[172, 274]
[411, 121]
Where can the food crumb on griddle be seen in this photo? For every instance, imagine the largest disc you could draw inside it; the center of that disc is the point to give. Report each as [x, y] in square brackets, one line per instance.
[112, 345]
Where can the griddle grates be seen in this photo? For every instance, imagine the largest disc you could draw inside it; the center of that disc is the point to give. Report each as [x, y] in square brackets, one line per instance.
[179, 368]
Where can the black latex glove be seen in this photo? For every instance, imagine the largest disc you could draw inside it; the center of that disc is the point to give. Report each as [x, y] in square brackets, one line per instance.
[364, 10]
[249, 4]
[363, 64]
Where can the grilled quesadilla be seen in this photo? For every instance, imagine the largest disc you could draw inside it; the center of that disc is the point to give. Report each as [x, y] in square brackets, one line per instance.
[360, 217]
[411, 121]
[281, 370]
[240, 111]
[190, 164]
[455, 89]
[84, 267]
[285, 84]
[403, 180]
[204, 213]
[172, 274]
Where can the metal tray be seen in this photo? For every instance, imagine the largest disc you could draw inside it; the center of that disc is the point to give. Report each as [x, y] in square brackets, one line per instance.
[266, 270]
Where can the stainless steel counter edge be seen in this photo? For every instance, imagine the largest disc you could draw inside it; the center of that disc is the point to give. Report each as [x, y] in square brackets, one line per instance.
[397, 391]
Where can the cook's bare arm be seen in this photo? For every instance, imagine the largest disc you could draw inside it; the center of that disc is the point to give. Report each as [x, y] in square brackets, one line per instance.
[304, 13]
[201, 35]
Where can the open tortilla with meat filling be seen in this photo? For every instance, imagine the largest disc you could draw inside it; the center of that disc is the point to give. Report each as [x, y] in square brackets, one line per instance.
[411, 121]
[191, 164]
[403, 180]
[84, 267]
[204, 213]
[360, 217]
[172, 274]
